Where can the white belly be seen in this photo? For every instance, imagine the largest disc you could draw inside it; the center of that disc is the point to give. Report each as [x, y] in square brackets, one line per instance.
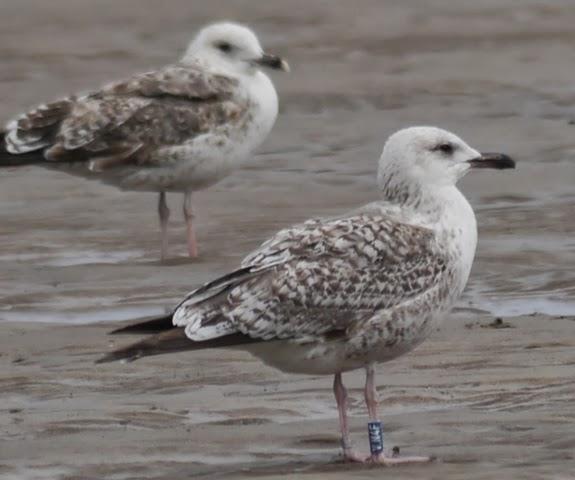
[309, 358]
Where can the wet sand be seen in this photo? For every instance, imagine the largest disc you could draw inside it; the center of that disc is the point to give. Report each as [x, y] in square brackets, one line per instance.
[488, 402]
[491, 403]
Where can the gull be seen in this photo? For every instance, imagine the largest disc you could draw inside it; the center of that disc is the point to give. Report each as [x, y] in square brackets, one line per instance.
[333, 295]
[180, 128]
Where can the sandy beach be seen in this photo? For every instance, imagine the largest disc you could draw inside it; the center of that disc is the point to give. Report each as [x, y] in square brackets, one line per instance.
[488, 402]
[491, 399]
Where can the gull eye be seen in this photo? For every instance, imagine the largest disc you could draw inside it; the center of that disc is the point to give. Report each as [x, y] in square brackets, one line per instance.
[224, 47]
[445, 148]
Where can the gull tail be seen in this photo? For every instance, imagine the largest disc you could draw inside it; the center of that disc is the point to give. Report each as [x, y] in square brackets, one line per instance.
[171, 341]
[8, 159]
[165, 338]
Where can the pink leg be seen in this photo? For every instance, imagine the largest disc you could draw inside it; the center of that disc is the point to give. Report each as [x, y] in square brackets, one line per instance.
[164, 214]
[341, 399]
[370, 393]
[189, 216]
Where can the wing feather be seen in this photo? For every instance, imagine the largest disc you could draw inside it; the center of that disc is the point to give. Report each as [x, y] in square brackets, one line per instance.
[126, 120]
[319, 281]
[318, 277]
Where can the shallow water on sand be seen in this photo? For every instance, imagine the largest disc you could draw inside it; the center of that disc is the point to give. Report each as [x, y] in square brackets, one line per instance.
[70, 246]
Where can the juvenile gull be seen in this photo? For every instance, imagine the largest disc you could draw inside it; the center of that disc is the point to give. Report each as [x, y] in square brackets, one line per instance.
[181, 128]
[333, 295]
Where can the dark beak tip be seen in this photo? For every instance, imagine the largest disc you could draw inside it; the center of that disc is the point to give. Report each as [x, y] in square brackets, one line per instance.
[506, 162]
[498, 161]
[274, 62]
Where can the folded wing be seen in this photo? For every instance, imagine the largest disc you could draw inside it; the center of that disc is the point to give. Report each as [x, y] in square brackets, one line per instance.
[314, 280]
[126, 121]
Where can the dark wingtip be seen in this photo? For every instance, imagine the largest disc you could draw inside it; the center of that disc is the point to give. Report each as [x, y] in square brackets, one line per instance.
[8, 159]
[147, 326]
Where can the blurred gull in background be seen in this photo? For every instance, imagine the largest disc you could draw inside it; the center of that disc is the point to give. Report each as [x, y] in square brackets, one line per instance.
[181, 128]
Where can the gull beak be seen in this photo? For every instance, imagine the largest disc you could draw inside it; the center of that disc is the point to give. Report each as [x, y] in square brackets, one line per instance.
[500, 161]
[272, 61]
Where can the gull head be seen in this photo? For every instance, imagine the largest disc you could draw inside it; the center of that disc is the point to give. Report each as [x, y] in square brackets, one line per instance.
[430, 156]
[232, 48]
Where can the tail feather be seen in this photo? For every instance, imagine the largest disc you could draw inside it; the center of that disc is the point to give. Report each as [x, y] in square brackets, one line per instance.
[8, 159]
[172, 341]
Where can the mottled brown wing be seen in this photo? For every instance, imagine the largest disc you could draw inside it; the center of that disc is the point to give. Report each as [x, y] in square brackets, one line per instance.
[188, 82]
[37, 128]
[319, 277]
[123, 121]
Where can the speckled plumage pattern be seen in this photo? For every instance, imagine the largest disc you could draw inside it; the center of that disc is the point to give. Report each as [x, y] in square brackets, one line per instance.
[325, 282]
[137, 124]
